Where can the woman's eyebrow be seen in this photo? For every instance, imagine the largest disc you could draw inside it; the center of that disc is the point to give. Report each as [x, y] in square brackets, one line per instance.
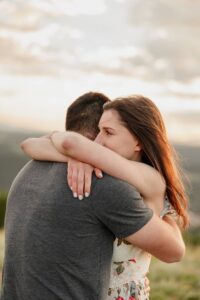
[106, 128]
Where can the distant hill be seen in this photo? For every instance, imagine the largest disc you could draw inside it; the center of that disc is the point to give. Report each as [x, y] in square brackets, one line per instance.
[12, 159]
[190, 161]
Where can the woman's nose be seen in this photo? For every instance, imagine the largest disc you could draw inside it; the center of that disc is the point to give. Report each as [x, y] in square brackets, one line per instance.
[99, 139]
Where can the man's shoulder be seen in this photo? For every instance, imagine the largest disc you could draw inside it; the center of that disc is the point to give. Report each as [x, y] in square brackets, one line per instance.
[109, 184]
[39, 164]
[35, 169]
[39, 177]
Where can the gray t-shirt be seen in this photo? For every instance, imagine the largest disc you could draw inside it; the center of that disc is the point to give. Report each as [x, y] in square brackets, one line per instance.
[60, 248]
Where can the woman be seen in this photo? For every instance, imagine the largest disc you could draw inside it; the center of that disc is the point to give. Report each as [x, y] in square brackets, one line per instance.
[138, 152]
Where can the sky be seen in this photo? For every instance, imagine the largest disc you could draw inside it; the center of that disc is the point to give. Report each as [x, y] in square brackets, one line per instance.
[52, 51]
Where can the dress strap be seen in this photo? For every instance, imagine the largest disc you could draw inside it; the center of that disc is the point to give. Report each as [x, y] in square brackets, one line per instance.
[167, 208]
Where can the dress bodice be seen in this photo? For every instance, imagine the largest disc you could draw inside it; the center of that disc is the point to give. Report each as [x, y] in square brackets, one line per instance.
[129, 268]
[129, 263]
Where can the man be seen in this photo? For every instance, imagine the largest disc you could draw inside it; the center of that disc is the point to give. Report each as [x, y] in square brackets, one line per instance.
[59, 248]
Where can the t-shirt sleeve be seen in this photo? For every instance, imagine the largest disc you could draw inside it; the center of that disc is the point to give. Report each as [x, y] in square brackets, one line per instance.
[119, 206]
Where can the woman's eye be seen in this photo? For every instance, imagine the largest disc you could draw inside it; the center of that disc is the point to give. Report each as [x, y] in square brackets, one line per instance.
[108, 132]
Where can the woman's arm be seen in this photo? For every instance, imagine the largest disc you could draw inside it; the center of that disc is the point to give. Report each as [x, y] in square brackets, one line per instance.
[164, 239]
[42, 149]
[145, 178]
[59, 146]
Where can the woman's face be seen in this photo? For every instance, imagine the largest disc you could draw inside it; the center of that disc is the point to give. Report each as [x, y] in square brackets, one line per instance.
[115, 136]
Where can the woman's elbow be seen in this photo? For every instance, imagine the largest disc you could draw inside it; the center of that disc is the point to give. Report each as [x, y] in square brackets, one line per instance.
[24, 145]
[180, 253]
[66, 144]
[69, 143]
[27, 146]
[177, 255]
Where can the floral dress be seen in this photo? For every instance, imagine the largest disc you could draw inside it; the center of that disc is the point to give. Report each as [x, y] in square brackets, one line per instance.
[129, 269]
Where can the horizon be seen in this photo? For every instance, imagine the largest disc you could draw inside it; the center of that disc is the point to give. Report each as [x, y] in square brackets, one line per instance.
[52, 52]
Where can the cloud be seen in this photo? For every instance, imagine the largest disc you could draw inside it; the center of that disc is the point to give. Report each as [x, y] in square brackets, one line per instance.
[170, 36]
[51, 8]
[34, 43]
[20, 15]
[154, 40]
[71, 7]
[164, 13]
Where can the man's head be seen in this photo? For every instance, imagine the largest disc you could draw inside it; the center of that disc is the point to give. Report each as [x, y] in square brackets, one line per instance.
[84, 113]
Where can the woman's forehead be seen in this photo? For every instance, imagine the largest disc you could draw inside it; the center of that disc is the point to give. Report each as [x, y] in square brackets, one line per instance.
[110, 117]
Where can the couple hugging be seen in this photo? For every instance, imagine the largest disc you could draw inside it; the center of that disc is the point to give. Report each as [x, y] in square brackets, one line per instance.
[116, 158]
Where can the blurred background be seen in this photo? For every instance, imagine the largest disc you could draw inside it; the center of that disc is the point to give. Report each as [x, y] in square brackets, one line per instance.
[52, 51]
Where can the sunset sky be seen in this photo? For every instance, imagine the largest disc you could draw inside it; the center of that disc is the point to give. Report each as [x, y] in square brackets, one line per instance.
[52, 51]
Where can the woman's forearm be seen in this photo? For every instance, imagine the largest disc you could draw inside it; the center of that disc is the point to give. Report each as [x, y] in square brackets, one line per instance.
[177, 233]
[164, 242]
[42, 149]
[145, 178]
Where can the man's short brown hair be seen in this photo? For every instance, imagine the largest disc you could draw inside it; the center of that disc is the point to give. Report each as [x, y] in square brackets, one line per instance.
[84, 113]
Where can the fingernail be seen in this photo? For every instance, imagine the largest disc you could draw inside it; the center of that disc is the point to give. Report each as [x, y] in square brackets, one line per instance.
[87, 194]
[71, 187]
[100, 175]
[80, 197]
[75, 195]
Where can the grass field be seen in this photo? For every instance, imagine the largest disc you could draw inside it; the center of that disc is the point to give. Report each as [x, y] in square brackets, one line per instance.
[178, 281]
[1, 250]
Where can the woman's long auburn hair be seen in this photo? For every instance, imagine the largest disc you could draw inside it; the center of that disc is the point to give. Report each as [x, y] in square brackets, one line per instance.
[143, 119]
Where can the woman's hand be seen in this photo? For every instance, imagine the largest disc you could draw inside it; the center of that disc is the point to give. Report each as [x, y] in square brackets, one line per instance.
[79, 178]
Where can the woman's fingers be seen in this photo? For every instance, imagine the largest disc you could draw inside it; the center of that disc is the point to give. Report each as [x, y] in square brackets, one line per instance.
[74, 180]
[79, 178]
[98, 172]
[80, 181]
[88, 180]
[69, 174]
